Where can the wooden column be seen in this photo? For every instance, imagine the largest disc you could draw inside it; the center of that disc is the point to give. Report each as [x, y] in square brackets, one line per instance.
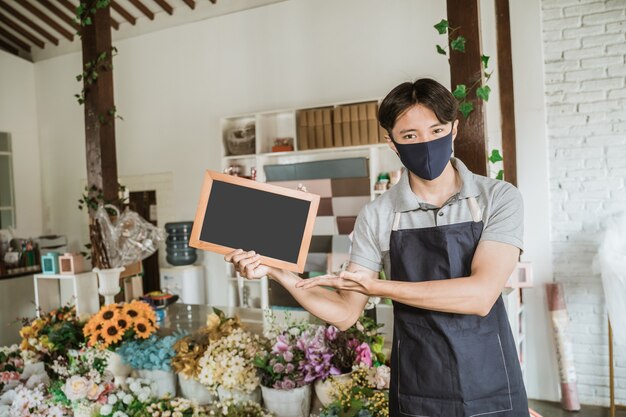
[507, 100]
[99, 122]
[465, 68]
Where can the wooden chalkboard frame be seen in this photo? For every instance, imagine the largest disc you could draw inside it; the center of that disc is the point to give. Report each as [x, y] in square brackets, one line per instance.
[196, 230]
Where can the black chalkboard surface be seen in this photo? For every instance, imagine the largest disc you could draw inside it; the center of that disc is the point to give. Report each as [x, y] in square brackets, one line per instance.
[236, 213]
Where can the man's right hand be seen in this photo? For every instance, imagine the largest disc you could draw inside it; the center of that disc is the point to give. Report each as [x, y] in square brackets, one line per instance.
[247, 264]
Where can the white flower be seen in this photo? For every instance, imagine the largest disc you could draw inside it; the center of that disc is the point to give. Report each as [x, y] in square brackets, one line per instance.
[135, 386]
[112, 399]
[106, 409]
[143, 397]
[128, 399]
[76, 388]
[120, 414]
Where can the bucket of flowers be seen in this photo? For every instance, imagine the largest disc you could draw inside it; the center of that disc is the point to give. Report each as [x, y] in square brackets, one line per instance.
[190, 350]
[365, 394]
[132, 398]
[81, 381]
[232, 408]
[115, 324]
[227, 367]
[151, 358]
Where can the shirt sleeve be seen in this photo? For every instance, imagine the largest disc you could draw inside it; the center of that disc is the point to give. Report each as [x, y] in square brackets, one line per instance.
[365, 246]
[505, 222]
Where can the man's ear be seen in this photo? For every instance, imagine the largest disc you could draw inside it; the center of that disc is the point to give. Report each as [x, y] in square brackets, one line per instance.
[391, 145]
[455, 125]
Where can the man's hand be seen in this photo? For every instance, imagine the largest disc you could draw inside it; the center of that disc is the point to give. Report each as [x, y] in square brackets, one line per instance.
[248, 264]
[359, 281]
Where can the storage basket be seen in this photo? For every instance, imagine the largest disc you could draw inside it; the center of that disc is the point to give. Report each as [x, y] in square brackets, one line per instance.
[240, 141]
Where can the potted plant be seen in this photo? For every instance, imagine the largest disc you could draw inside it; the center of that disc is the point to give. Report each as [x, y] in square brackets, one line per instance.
[151, 358]
[117, 323]
[191, 348]
[130, 399]
[227, 368]
[231, 408]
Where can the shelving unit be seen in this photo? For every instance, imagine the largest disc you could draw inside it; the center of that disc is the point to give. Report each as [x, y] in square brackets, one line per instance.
[284, 124]
[55, 290]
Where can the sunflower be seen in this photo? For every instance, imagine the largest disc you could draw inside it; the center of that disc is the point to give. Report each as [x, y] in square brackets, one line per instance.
[130, 310]
[123, 321]
[143, 309]
[110, 333]
[94, 339]
[108, 312]
[143, 328]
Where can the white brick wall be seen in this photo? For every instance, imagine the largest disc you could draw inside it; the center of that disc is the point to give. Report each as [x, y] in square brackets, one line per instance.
[585, 74]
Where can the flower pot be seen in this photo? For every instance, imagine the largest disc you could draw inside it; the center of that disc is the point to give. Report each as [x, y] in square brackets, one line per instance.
[116, 365]
[239, 396]
[193, 390]
[86, 410]
[109, 283]
[323, 389]
[165, 381]
[288, 403]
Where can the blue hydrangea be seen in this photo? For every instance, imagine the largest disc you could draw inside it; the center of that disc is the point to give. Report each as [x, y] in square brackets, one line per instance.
[154, 353]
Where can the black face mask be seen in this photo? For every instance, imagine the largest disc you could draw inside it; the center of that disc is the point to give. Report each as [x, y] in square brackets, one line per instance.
[427, 160]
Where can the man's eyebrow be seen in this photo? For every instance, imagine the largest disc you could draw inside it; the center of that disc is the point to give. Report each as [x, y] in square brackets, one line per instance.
[407, 130]
[414, 130]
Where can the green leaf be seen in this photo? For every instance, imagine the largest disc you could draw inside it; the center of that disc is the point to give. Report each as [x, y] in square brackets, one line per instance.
[466, 108]
[485, 60]
[495, 156]
[87, 21]
[442, 27]
[483, 92]
[79, 77]
[458, 44]
[500, 175]
[441, 50]
[460, 92]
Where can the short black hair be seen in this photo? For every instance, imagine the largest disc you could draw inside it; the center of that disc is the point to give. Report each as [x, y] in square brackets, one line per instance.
[423, 91]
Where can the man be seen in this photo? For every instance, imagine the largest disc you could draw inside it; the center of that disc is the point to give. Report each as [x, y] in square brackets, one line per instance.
[448, 239]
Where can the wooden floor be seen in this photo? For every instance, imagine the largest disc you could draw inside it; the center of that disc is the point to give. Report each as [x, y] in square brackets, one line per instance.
[550, 409]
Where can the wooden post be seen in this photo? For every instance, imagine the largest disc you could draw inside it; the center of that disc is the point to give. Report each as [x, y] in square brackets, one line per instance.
[99, 106]
[507, 100]
[465, 68]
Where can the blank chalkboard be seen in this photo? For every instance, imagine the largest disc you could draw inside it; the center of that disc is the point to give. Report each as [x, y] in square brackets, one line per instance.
[236, 213]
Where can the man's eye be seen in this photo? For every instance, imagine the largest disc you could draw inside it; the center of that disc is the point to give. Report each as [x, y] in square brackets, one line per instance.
[436, 131]
[409, 137]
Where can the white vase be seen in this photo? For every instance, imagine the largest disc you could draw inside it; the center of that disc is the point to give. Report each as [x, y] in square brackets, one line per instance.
[239, 396]
[109, 283]
[193, 390]
[164, 381]
[324, 389]
[117, 367]
[288, 403]
[86, 410]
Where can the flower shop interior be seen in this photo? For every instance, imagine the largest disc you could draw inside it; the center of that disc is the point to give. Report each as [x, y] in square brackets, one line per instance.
[112, 111]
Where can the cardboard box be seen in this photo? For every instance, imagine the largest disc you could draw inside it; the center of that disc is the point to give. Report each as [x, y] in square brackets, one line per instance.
[303, 133]
[345, 126]
[337, 132]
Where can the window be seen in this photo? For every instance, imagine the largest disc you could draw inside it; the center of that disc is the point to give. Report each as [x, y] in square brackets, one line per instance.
[7, 197]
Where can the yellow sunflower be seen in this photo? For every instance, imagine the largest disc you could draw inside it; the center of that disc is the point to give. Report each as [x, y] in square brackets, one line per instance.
[143, 309]
[143, 328]
[94, 339]
[110, 333]
[130, 310]
[123, 321]
[108, 312]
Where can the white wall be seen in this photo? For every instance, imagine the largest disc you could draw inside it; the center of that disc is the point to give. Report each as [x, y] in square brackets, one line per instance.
[172, 87]
[585, 76]
[18, 117]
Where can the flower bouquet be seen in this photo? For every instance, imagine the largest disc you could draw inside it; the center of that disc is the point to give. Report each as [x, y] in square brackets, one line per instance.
[151, 358]
[227, 366]
[82, 382]
[230, 408]
[190, 350]
[178, 407]
[366, 394]
[31, 402]
[131, 399]
[53, 333]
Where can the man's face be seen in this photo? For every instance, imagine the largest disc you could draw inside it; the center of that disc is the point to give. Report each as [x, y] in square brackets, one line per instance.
[419, 124]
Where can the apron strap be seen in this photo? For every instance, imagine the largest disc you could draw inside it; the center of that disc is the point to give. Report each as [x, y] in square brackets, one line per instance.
[477, 213]
[396, 221]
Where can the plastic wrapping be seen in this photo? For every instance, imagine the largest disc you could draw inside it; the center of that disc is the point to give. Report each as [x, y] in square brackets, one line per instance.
[611, 263]
[129, 238]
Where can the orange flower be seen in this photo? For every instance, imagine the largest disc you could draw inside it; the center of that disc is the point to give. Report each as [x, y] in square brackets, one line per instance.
[123, 321]
[108, 312]
[110, 333]
[130, 310]
[143, 328]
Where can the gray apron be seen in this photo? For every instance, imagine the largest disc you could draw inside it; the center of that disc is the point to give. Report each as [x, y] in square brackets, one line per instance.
[445, 364]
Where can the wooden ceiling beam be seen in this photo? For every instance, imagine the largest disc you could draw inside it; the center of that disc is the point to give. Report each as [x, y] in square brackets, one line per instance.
[165, 6]
[14, 40]
[44, 17]
[72, 9]
[124, 13]
[25, 20]
[142, 8]
[190, 3]
[9, 48]
[60, 14]
[17, 28]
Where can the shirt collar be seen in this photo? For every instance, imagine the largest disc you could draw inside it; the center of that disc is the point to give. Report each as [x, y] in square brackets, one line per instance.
[406, 200]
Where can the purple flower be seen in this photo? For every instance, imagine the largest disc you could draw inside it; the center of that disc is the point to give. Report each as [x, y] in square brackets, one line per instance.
[364, 354]
[288, 356]
[288, 384]
[278, 368]
[331, 333]
[281, 345]
[289, 368]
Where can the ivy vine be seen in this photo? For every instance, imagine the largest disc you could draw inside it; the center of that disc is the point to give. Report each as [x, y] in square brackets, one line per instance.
[86, 9]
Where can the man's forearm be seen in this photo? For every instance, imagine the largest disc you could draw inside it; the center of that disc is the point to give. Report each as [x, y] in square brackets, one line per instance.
[325, 304]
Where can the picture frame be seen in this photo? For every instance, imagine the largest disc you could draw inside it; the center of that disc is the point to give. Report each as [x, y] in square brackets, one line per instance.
[238, 213]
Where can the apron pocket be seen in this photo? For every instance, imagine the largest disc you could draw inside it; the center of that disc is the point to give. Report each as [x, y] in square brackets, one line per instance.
[424, 364]
[483, 375]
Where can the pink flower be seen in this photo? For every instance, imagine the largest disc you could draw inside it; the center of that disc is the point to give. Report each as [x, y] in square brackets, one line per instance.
[9, 376]
[288, 356]
[331, 333]
[278, 368]
[364, 354]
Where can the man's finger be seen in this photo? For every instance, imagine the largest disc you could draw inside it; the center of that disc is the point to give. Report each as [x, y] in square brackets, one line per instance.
[230, 255]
